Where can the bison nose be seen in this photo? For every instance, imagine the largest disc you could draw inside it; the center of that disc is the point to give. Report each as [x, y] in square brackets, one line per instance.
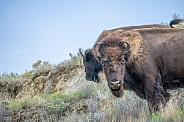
[115, 84]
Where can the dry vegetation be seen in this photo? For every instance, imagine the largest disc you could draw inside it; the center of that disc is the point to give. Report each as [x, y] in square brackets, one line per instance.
[60, 93]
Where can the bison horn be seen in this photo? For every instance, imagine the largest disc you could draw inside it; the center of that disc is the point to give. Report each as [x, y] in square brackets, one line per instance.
[80, 51]
[96, 49]
[125, 45]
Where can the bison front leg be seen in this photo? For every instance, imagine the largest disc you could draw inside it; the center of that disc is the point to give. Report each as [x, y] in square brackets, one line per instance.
[155, 94]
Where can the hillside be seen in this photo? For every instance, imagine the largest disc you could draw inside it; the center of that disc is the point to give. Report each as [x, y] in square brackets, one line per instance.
[61, 93]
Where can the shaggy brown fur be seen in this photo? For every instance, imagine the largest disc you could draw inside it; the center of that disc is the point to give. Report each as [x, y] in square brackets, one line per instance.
[92, 64]
[128, 28]
[156, 57]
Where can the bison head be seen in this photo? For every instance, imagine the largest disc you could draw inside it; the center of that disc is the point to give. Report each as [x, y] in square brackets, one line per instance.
[113, 54]
[92, 65]
[177, 23]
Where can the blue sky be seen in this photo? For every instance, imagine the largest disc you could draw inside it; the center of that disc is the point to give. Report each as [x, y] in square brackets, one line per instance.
[49, 30]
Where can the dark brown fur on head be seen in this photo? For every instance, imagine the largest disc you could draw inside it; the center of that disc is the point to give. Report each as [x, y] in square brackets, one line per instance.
[116, 50]
[114, 54]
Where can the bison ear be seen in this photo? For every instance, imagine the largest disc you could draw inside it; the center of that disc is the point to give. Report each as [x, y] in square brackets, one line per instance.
[127, 55]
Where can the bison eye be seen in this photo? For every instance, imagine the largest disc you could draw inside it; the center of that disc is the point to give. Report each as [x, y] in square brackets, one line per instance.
[123, 61]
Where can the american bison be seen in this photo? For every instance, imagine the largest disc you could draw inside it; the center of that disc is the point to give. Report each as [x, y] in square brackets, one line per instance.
[92, 65]
[146, 61]
[177, 23]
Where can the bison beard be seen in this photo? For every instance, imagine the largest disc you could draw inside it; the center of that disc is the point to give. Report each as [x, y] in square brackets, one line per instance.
[117, 92]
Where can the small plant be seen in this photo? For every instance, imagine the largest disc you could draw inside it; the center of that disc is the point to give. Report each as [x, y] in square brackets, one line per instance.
[157, 117]
[60, 102]
[57, 104]
[39, 64]
[87, 91]
[28, 101]
[14, 105]
[65, 97]
[27, 74]
[10, 76]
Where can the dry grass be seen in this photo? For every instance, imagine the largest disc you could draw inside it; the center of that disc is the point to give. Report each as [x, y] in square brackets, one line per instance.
[103, 107]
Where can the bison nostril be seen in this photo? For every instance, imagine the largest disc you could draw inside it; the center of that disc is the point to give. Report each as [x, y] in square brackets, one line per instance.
[115, 84]
[112, 83]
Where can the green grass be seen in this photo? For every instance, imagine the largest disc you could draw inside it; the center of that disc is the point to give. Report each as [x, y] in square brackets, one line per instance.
[55, 101]
[25, 102]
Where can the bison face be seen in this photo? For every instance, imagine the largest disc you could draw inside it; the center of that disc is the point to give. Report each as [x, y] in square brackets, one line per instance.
[92, 66]
[113, 53]
[114, 72]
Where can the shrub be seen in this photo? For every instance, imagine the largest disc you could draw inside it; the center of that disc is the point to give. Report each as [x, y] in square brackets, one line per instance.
[27, 74]
[25, 102]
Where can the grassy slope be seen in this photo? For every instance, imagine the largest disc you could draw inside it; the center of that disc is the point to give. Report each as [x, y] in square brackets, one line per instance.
[61, 93]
